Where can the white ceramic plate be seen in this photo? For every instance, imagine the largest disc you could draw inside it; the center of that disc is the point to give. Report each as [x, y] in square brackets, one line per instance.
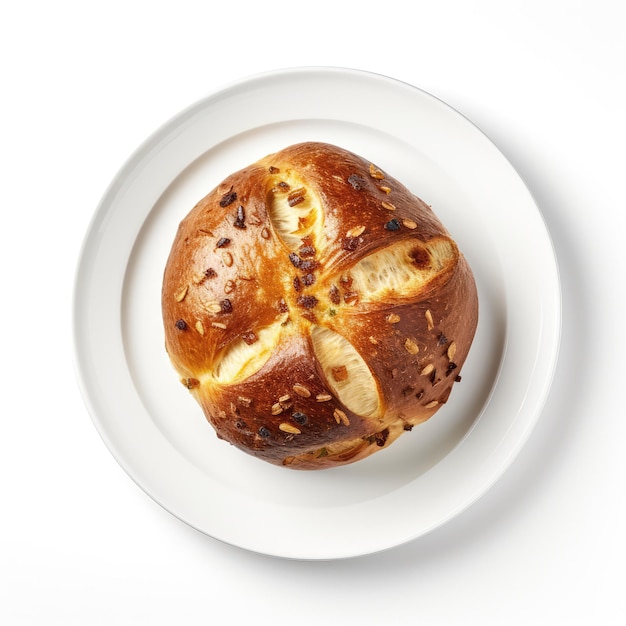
[157, 432]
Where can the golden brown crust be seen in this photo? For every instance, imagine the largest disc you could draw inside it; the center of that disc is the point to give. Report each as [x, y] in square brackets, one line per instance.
[308, 246]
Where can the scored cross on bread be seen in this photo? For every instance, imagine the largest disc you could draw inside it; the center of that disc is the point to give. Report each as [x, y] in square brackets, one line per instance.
[315, 308]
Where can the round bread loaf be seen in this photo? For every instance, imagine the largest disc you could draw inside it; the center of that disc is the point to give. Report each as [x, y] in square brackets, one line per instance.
[315, 308]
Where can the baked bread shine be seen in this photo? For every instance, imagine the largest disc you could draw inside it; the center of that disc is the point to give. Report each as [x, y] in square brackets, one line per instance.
[315, 308]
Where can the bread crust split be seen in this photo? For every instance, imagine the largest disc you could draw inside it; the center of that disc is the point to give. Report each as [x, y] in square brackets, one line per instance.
[315, 308]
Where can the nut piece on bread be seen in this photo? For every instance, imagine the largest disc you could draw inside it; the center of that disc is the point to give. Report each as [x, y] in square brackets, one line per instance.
[315, 308]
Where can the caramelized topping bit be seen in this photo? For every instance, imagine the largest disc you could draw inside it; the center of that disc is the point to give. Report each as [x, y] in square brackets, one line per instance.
[308, 264]
[381, 438]
[410, 346]
[226, 306]
[296, 261]
[308, 302]
[190, 383]
[289, 428]
[428, 369]
[334, 295]
[249, 337]
[356, 181]
[273, 170]
[357, 231]
[392, 225]
[341, 417]
[300, 418]
[210, 273]
[198, 279]
[375, 172]
[429, 319]
[181, 324]
[307, 242]
[351, 297]
[350, 243]
[240, 222]
[340, 373]
[301, 390]
[451, 367]
[228, 198]
[264, 432]
[222, 242]
[308, 279]
[323, 397]
[180, 296]
[296, 196]
[420, 257]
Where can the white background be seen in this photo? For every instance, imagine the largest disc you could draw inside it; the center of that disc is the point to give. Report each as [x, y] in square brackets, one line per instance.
[83, 85]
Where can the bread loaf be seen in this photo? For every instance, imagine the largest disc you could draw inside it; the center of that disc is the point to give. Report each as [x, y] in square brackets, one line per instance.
[315, 308]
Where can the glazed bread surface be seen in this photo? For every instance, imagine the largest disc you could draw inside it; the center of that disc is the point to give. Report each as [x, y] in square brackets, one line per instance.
[315, 308]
